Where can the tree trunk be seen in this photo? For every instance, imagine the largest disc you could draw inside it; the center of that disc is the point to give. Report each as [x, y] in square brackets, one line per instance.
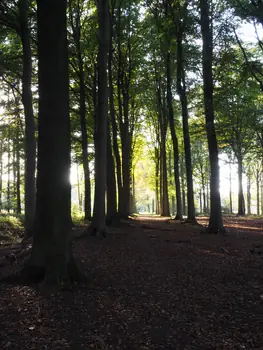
[111, 182]
[99, 219]
[241, 201]
[181, 89]
[203, 190]
[165, 199]
[113, 121]
[257, 182]
[18, 174]
[174, 140]
[30, 141]
[230, 190]
[200, 201]
[157, 167]
[215, 222]
[8, 169]
[51, 258]
[84, 136]
[249, 192]
[1, 175]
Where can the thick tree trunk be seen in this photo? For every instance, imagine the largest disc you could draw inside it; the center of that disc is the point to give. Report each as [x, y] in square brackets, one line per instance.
[51, 258]
[99, 218]
[257, 184]
[241, 201]
[30, 140]
[215, 222]
[174, 140]
[181, 89]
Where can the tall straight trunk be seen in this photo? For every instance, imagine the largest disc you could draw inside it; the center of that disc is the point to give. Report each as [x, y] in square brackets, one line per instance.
[261, 192]
[171, 182]
[241, 201]
[179, 214]
[161, 182]
[257, 183]
[84, 135]
[215, 221]
[111, 182]
[8, 174]
[78, 189]
[30, 140]
[157, 168]
[165, 199]
[99, 215]
[183, 186]
[203, 192]
[181, 89]
[51, 257]
[1, 174]
[14, 166]
[18, 173]
[113, 120]
[230, 190]
[200, 201]
[249, 192]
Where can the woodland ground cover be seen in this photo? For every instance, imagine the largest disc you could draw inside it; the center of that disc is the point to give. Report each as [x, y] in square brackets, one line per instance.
[153, 283]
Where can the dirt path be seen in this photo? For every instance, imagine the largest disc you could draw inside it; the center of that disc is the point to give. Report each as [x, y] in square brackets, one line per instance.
[154, 285]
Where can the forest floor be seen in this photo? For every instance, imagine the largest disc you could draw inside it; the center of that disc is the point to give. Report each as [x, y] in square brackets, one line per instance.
[154, 284]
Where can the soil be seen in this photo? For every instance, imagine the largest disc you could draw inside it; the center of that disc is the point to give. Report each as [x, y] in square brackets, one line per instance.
[153, 284]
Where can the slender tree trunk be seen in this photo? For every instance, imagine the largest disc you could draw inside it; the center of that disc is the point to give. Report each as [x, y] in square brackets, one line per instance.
[174, 140]
[1, 175]
[165, 199]
[113, 121]
[241, 201]
[257, 182]
[215, 222]
[99, 219]
[200, 201]
[84, 137]
[261, 192]
[30, 141]
[249, 192]
[181, 89]
[230, 190]
[51, 257]
[8, 169]
[111, 182]
[157, 167]
[203, 190]
[78, 188]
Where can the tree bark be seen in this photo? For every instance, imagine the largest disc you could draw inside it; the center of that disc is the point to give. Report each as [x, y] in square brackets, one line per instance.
[215, 222]
[249, 192]
[113, 120]
[30, 140]
[174, 140]
[51, 257]
[230, 190]
[111, 182]
[1, 174]
[241, 201]
[181, 89]
[99, 218]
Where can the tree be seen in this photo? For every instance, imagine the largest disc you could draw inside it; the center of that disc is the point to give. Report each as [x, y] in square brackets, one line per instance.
[51, 257]
[215, 221]
[98, 220]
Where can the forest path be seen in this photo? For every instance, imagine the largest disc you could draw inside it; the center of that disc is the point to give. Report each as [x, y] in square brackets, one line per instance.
[154, 284]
